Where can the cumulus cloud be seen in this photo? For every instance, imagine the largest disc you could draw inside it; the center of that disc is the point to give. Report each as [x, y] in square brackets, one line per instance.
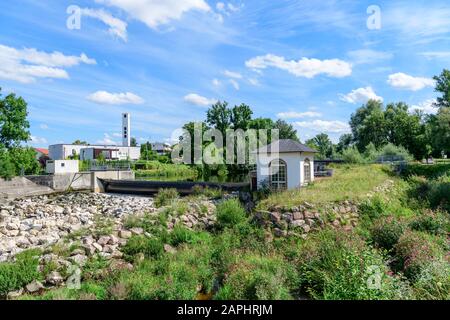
[308, 68]
[157, 12]
[107, 141]
[216, 82]
[361, 95]
[116, 26]
[28, 64]
[298, 115]
[404, 81]
[325, 126]
[198, 100]
[427, 106]
[104, 97]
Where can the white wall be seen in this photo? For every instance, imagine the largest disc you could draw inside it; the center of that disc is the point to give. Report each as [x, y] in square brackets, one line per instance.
[63, 151]
[294, 163]
[62, 166]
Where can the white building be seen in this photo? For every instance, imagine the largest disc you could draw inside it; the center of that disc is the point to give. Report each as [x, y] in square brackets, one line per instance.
[62, 166]
[285, 164]
[161, 148]
[92, 152]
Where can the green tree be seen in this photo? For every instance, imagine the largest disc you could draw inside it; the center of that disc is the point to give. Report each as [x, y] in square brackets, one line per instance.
[219, 116]
[287, 131]
[7, 168]
[24, 160]
[345, 141]
[13, 121]
[133, 142]
[241, 117]
[439, 132]
[80, 143]
[322, 144]
[443, 86]
[368, 125]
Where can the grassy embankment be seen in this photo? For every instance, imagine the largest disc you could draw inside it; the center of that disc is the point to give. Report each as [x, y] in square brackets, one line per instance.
[398, 251]
[155, 169]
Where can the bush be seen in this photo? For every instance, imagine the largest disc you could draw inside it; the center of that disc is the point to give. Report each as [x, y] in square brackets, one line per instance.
[414, 251]
[373, 208]
[149, 247]
[352, 155]
[386, 232]
[391, 151]
[7, 168]
[433, 282]
[431, 222]
[230, 213]
[181, 234]
[212, 193]
[15, 275]
[165, 197]
[254, 277]
[335, 265]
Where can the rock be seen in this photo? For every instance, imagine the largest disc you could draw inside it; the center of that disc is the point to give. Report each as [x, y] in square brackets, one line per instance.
[34, 287]
[168, 248]
[117, 265]
[103, 240]
[306, 228]
[275, 216]
[125, 234]
[280, 233]
[308, 215]
[14, 294]
[97, 247]
[54, 278]
[308, 205]
[297, 215]
[79, 259]
[287, 217]
[297, 223]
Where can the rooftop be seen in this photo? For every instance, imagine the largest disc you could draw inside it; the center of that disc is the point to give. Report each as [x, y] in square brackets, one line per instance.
[285, 146]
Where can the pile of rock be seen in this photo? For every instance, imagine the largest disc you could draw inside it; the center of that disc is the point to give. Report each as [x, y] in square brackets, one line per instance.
[42, 221]
[299, 221]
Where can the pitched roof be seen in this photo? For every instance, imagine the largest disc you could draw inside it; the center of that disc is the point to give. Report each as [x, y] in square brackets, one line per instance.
[42, 150]
[284, 146]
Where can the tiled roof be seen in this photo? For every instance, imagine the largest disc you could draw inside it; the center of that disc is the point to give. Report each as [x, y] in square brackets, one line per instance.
[285, 145]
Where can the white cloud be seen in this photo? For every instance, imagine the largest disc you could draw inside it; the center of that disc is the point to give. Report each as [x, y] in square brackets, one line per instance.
[427, 106]
[103, 97]
[361, 95]
[308, 68]
[28, 64]
[220, 6]
[107, 140]
[38, 140]
[43, 126]
[325, 126]
[404, 81]
[117, 135]
[231, 74]
[298, 115]
[235, 84]
[116, 26]
[198, 100]
[216, 82]
[157, 12]
[367, 56]
[253, 81]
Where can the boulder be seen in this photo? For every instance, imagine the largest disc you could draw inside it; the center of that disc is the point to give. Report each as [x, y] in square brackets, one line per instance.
[34, 287]
[297, 215]
[54, 278]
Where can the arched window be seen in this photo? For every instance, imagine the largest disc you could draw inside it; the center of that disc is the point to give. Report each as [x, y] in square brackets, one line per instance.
[278, 175]
[307, 170]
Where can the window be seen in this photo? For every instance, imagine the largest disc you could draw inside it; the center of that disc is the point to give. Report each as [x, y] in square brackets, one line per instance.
[307, 170]
[278, 175]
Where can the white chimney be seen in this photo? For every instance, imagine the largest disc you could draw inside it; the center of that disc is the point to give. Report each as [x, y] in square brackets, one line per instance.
[126, 130]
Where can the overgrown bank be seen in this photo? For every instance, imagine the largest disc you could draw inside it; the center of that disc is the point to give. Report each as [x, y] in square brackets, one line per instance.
[397, 250]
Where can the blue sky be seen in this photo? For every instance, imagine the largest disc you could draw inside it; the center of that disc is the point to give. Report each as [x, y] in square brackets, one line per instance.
[311, 63]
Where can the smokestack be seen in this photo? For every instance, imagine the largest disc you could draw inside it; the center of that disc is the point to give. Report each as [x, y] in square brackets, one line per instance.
[126, 130]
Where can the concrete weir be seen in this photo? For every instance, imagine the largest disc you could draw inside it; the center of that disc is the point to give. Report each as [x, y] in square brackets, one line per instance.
[20, 187]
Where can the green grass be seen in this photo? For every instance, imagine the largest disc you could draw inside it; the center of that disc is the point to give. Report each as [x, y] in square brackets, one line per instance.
[155, 169]
[348, 183]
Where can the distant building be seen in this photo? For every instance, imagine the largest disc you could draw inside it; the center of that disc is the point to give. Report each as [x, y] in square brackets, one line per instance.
[161, 148]
[93, 152]
[41, 152]
[62, 166]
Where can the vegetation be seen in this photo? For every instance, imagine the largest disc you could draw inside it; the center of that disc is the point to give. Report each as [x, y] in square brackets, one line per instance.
[156, 169]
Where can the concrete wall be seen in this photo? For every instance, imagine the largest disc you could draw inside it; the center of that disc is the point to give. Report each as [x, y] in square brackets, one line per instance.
[62, 166]
[294, 163]
[20, 187]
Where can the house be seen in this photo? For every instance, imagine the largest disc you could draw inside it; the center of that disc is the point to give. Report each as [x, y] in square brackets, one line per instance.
[284, 164]
[41, 152]
[62, 166]
[161, 148]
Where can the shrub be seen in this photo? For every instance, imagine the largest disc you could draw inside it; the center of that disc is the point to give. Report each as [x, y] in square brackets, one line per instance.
[230, 213]
[336, 265]
[433, 282]
[212, 193]
[15, 275]
[394, 152]
[414, 250]
[254, 277]
[7, 168]
[430, 222]
[165, 197]
[181, 234]
[373, 208]
[352, 155]
[386, 232]
[150, 247]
